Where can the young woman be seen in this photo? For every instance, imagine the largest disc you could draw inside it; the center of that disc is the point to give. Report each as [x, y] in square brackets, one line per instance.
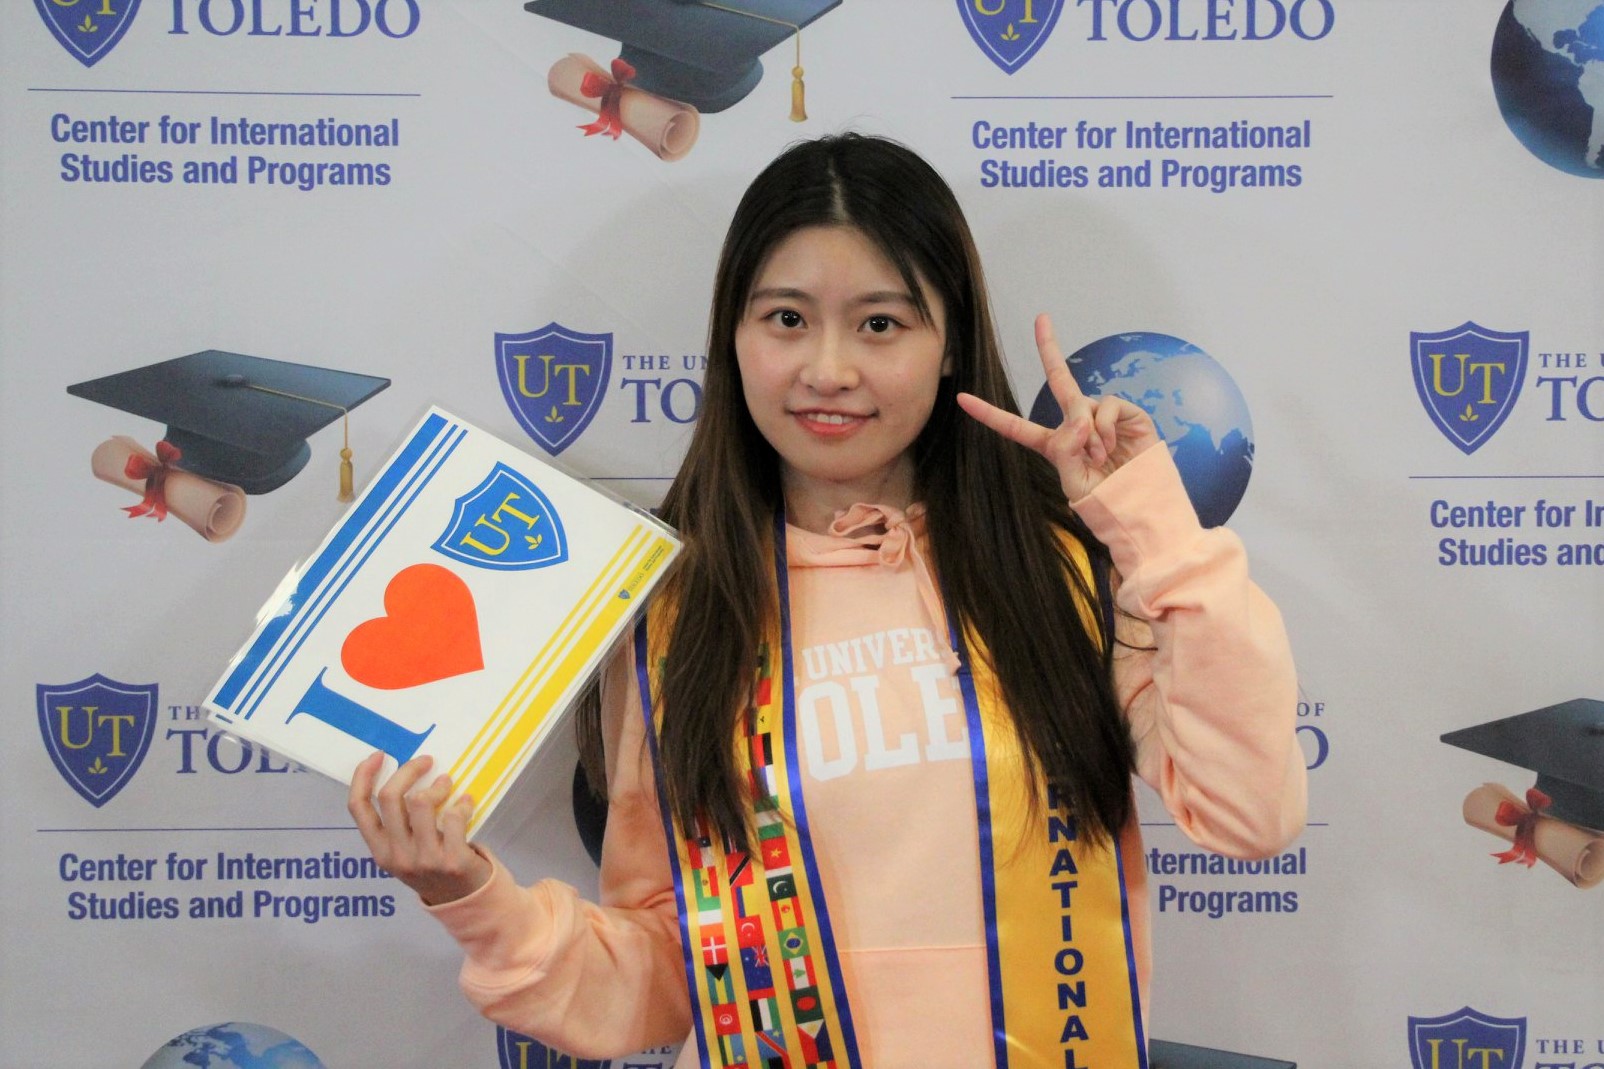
[869, 758]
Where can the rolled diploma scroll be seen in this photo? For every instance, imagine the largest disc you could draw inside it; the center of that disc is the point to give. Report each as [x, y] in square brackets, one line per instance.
[665, 126]
[215, 510]
[1575, 853]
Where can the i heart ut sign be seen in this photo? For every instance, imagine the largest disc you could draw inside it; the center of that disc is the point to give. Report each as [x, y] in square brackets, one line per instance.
[429, 631]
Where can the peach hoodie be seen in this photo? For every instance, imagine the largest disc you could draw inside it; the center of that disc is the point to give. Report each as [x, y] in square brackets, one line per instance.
[890, 797]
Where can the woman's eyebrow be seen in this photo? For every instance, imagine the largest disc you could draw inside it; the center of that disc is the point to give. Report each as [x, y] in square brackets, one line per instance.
[887, 296]
[790, 293]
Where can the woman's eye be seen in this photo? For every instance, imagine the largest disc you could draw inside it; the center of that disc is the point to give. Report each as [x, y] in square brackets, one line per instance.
[788, 318]
[879, 324]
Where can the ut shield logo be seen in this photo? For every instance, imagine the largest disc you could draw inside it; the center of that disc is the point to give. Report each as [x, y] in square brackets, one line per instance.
[1469, 379]
[97, 731]
[1009, 32]
[554, 380]
[506, 524]
[521, 1052]
[88, 29]
[1467, 1039]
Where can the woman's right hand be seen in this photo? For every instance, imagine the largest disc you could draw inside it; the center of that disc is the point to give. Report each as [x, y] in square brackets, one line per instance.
[411, 836]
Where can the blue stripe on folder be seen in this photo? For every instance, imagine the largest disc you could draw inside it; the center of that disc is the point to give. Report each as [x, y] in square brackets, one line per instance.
[312, 612]
[379, 495]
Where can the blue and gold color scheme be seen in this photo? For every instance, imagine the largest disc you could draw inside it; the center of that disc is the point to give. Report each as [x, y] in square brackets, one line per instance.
[1466, 1039]
[1060, 952]
[505, 523]
[519, 1051]
[1009, 32]
[1469, 379]
[554, 380]
[88, 29]
[97, 731]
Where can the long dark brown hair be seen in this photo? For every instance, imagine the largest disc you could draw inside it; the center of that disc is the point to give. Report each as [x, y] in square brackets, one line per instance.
[997, 515]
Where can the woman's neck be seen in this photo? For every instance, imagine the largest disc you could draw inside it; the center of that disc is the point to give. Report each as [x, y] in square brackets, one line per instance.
[812, 503]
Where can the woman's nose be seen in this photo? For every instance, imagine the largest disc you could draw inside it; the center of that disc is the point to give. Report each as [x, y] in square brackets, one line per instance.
[830, 367]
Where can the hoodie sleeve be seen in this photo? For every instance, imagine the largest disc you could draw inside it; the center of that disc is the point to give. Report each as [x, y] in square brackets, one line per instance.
[1203, 670]
[594, 981]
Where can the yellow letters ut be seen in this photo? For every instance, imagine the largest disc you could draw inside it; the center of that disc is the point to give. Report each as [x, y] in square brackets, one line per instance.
[493, 523]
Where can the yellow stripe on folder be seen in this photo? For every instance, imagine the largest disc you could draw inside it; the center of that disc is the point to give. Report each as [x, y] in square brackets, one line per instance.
[492, 780]
[487, 783]
[583, 606]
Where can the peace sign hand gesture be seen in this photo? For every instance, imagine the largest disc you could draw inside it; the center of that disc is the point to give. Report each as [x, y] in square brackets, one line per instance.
[1097, 436]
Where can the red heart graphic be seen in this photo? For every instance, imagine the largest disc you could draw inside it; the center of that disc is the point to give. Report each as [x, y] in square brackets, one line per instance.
[429, 631]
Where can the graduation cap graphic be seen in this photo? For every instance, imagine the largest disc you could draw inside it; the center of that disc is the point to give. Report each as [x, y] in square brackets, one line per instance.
[236, 419]
[700, 52]
[1560, 821]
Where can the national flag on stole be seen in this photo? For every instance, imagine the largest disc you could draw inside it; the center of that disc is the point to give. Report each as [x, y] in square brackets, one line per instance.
[732, 1048]
[781, 885]
[800, 972]
[806, 1004]
[763, 781]
[765, 1015]
[739, 867]
[771, 1051]
[749, 931]
[814, 1039]
[786, 915]
[726, 1020]
[714, 949]
[755, 968]
[762, 693]
[793, 943]
[701, 848]
[706, 886]
[720, 985]
[776, 855]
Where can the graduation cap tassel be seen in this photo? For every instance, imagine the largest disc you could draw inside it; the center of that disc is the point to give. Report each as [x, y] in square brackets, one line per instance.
[799, 112]
[347, 471]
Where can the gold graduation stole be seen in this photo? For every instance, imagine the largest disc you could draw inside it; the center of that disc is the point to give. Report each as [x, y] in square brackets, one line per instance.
[765, 981]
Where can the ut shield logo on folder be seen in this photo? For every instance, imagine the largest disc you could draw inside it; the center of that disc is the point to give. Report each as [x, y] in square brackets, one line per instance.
[554, 380]
[1469, 379]
[1467, 1039]
[505, 523]
[88, 29]
[97, 731]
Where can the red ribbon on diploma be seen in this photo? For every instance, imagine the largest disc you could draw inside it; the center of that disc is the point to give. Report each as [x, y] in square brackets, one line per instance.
[610, 121]
[155, 476]
[1524, 821]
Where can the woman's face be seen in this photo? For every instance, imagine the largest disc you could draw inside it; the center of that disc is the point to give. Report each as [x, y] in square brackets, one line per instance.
[839, 370]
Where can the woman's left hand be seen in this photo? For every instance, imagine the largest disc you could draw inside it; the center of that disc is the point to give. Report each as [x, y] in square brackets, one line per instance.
[1097, 436]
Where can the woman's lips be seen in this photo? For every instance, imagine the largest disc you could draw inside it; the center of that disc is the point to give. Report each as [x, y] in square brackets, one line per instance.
[829, 424]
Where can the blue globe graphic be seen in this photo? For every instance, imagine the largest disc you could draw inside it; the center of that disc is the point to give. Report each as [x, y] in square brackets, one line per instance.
[1548, 76]
[235, 1045]
[1196, 406]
